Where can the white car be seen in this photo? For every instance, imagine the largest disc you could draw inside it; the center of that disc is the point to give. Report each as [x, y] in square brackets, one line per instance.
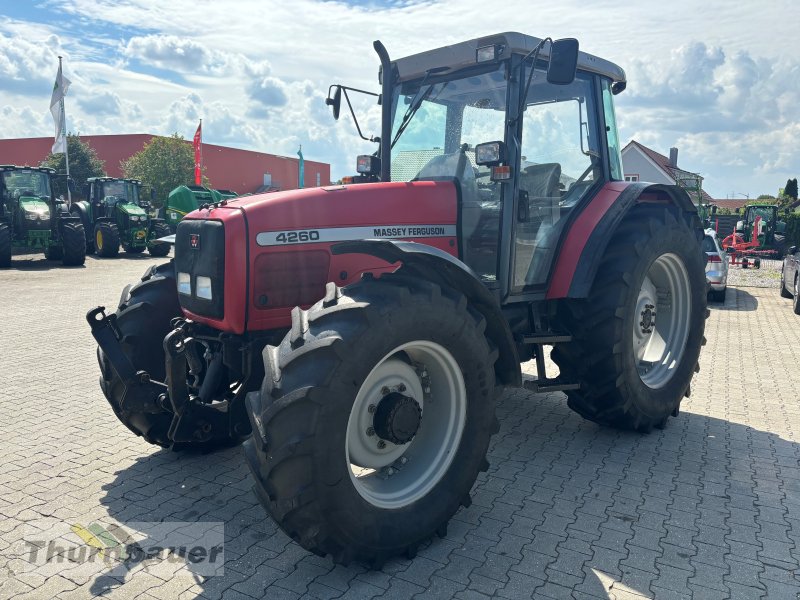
[716, 267]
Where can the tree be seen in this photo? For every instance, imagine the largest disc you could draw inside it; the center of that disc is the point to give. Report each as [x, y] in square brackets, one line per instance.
[83, 163]
[163, 164]
[766, 197]
[791, 189]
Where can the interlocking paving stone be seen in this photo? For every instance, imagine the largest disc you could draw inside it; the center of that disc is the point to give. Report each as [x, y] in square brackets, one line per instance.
[709, 507]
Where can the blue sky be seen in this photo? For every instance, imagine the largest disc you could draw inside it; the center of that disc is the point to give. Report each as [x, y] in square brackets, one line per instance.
[719, 81]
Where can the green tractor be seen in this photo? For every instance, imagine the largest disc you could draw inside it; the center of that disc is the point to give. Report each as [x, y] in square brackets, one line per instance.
[115, 214]
[186, 198]
[771, 230]
[32, 218]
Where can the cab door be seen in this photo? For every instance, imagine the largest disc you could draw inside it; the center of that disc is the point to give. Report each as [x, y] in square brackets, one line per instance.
[561, 162]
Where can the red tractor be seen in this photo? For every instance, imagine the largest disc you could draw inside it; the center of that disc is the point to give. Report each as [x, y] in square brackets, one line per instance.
[358, 336]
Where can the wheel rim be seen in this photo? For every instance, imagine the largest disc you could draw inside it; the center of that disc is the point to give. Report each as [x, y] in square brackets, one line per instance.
[661, 321]
[392, 475]
[98, 239]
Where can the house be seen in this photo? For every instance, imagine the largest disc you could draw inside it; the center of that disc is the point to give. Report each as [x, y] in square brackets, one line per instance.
[731, 205]
[640, 163]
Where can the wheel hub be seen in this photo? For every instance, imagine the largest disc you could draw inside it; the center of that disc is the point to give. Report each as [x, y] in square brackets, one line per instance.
[648, 319]
[397, 418]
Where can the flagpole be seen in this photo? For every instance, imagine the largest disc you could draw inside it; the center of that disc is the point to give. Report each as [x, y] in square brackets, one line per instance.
[66, 144]
[201, 151]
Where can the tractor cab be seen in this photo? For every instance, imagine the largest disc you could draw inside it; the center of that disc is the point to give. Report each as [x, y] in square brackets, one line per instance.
[26, 201]
[760, 222]
[524, 127]
[106, 193]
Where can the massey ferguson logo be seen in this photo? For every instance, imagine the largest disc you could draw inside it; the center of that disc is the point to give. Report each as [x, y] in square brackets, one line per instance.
[194, 241]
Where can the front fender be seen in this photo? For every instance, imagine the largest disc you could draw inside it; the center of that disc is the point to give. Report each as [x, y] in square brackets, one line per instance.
[432, 264]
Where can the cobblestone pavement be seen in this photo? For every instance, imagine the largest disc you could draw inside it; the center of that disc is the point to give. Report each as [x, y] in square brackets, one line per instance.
[707, 508]
[768, 276]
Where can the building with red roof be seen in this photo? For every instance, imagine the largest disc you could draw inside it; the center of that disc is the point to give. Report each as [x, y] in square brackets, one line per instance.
[641, 163]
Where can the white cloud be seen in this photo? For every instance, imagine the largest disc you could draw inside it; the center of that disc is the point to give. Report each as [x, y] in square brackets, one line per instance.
[718, 79]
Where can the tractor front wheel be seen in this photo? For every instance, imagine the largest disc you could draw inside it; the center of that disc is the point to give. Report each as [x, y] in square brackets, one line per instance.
[73, 243]
[144, 319]
[159, 230]
[637, 338]
[374, 418]
[106, 239]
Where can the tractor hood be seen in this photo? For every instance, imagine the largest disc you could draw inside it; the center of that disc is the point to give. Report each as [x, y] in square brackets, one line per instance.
[34, 206]
[131, 209]
[286, 239]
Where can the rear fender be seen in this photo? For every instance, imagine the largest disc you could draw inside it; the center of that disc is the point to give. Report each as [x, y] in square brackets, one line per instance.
[432, 264]
[586, 241]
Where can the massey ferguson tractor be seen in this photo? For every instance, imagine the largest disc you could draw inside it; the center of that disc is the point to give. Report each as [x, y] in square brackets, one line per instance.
[358, 336]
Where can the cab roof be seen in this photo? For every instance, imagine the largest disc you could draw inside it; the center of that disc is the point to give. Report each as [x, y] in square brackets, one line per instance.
[27, 168]
[463, 54]
[91, 179]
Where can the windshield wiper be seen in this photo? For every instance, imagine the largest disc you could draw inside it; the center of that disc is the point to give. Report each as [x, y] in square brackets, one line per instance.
[416, 102]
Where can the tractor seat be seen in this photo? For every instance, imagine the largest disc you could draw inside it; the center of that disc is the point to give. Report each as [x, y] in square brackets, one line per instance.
[457, 165]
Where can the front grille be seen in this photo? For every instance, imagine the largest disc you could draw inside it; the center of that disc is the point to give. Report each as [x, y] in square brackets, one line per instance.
[200, 251]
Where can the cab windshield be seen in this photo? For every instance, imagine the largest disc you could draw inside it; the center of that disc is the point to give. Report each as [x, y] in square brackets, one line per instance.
[437, 125]
[120, 190]
[26, 183]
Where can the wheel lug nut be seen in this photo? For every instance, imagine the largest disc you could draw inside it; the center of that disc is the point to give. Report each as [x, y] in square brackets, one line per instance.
[403, 460]
[401, 387]
[381, 444]
[384, 391]
[370, 431]
[371, 408]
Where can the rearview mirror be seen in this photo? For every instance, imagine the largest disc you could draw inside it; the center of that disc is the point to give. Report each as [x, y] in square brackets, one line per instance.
[335, 102]
[563, 61]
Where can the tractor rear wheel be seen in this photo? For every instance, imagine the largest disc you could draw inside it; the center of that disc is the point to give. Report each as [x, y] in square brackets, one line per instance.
[73, 244]
[106, 239]
[160, 230]
[374, 418]
[5, 246]
[144, 318]
[637, 337]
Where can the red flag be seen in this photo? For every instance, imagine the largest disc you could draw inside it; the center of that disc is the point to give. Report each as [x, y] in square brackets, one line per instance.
[198, 155]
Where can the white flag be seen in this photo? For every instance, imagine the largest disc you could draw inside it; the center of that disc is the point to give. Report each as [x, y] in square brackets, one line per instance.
[57, 110]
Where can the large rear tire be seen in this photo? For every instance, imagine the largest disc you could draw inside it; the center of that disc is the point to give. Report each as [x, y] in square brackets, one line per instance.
[374, 418]
[144, 318]
[637, 337]
[5, 246]
[73, 240]
[106, 239]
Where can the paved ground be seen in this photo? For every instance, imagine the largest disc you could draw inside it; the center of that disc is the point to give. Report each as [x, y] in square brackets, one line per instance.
[707, 508]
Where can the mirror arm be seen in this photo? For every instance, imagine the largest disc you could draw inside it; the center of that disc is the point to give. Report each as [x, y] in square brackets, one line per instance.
[353, 113]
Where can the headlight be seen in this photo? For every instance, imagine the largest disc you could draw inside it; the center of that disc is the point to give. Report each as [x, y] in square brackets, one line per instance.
[32, 216]
[204, 287]
[184, 284]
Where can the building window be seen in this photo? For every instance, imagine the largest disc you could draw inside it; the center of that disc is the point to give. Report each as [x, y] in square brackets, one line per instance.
[633, 177]
[319, 179]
